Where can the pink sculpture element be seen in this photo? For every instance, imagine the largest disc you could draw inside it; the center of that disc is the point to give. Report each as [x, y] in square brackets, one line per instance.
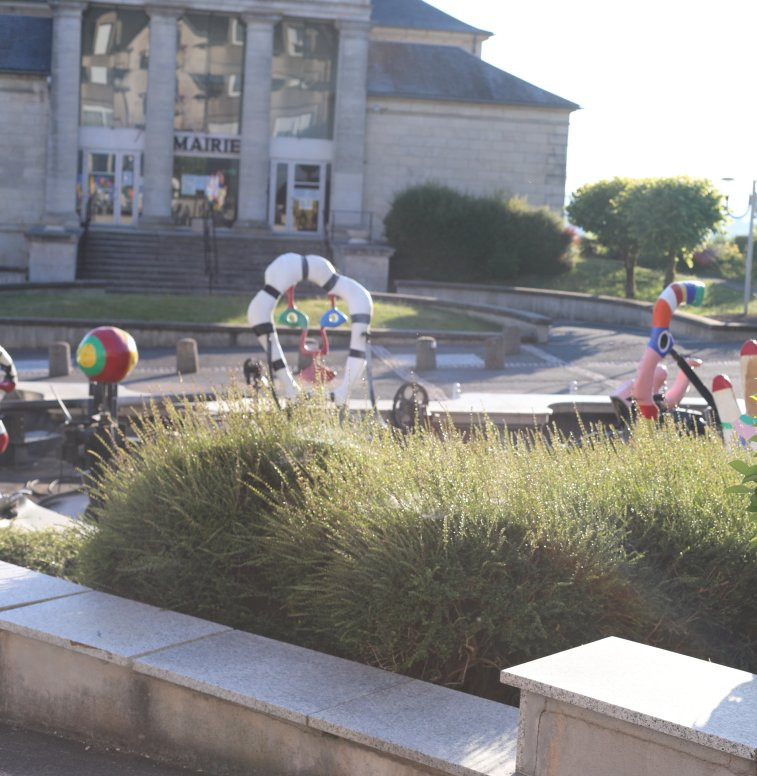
[737, 428]
[749, 375]
[661, 341]
[4, 438]
[680, 385]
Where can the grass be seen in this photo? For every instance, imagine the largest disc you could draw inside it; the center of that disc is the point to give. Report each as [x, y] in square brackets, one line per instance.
[106, 307]
[600, 276]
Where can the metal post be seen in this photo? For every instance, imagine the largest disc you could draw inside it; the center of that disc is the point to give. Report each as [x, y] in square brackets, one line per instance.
[749, 252]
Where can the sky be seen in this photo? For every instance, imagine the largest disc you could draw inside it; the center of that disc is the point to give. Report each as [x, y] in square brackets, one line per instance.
[666, 87]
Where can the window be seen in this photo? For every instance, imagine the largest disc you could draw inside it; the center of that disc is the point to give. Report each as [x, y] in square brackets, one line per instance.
[304, 79]
[209, 66]
[113, 67]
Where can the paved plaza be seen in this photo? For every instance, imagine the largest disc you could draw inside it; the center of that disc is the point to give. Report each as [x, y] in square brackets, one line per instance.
[589, 358]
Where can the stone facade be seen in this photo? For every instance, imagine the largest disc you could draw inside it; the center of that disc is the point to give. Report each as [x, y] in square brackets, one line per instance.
[24, 108]
[480, 149]
[382, 136]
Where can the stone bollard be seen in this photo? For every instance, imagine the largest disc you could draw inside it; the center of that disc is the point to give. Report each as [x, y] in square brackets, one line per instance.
[187, 360]
[59, 359]
[496, 348]
[425, 354]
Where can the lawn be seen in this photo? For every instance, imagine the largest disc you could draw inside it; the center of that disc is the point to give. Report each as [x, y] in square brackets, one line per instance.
[598, 276]
[605, 277]
[95, 305]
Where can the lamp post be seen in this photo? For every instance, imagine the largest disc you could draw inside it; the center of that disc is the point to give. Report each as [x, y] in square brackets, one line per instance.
[749, 251]
[749, 244]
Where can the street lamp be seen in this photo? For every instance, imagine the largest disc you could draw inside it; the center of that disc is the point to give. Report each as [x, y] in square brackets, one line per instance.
[749, 252]
[749, 245]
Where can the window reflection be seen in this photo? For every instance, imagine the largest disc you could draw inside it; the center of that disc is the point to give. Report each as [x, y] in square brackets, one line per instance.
[304, 73]
[209, 63]
[204, 186]
[115, 46]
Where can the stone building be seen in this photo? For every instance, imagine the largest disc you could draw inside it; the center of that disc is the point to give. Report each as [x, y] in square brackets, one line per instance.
[283, 118]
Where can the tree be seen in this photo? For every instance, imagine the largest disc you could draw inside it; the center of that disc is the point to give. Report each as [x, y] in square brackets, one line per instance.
[671, 217]
[599, 208]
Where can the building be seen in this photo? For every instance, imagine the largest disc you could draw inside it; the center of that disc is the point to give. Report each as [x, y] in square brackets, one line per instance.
[284, 117]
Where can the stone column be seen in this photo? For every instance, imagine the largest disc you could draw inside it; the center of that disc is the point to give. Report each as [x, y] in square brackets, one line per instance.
[161, 98]
[349, 130]
[254, 162]
[63, 139]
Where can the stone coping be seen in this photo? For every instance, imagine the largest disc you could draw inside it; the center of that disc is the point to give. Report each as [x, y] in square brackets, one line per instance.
[428, 725]
[690, 699]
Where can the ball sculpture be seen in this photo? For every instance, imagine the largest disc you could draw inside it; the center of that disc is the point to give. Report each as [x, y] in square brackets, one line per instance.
[107, 354]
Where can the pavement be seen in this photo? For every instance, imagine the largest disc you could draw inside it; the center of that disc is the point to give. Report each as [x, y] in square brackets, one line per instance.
[30, 753]
[588, 359]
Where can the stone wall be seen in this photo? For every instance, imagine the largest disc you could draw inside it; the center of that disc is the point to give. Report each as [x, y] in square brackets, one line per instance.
[481, 149]
[23, 128]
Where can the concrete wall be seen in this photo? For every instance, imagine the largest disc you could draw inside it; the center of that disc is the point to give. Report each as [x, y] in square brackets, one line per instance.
[24, 115]
[480, 149]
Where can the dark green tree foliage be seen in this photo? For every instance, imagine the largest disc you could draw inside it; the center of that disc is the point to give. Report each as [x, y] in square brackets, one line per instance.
[441, 234]
[599, 209]
[671, 217]
[665, 219]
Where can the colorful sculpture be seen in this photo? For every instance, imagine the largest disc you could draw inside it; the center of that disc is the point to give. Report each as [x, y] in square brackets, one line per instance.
[107, 354]
[749, 376]
[738, 427]
[661, 341]
[283, 274]
[8, 380]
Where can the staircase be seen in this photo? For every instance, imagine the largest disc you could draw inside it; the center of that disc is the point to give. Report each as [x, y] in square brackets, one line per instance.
[177, 261]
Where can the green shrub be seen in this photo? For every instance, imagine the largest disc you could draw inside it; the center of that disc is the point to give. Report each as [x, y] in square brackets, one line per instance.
[50, 552]
[441, 234]
[179, 515]
[443, 558]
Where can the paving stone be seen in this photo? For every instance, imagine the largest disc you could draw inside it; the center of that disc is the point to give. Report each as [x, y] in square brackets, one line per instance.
[269, 676]
[105, 626]
[434, 725]
[20, 586]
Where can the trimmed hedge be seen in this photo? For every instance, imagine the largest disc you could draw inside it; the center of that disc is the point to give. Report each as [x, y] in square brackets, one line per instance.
[443, 558]
[439, 233]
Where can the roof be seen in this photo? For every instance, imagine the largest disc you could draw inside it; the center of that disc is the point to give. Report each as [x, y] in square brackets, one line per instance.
[430, 72]
[25, 44]
[416, 14]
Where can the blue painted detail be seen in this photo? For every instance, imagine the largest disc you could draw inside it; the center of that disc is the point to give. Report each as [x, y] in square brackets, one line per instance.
[332, 318]
[661, 340]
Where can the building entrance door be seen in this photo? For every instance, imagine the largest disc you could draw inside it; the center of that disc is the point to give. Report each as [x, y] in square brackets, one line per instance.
[298, 196]
[111, 186]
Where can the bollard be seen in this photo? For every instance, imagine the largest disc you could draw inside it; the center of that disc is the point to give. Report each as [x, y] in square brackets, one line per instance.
[59, 359]
[425, 353]
[512, 339]
[187, 360]
[494, 352]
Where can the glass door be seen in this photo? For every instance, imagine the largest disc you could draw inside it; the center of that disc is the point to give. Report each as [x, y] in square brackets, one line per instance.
[111, 187]
[298, 196]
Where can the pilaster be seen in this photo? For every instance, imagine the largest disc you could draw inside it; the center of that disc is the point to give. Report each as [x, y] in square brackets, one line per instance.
[161, 98]
[350, 119]
[254, 160]
[63, 137]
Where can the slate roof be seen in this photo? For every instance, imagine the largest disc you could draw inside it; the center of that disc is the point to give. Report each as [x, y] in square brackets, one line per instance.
[421, 71]
[416, 14]
[25, 44]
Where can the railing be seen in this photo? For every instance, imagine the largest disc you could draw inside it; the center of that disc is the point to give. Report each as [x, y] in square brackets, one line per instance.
[81, 248]
[350, 225]
[209, 244]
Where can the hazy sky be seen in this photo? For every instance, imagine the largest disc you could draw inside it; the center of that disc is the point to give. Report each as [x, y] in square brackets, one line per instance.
[666, 87]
